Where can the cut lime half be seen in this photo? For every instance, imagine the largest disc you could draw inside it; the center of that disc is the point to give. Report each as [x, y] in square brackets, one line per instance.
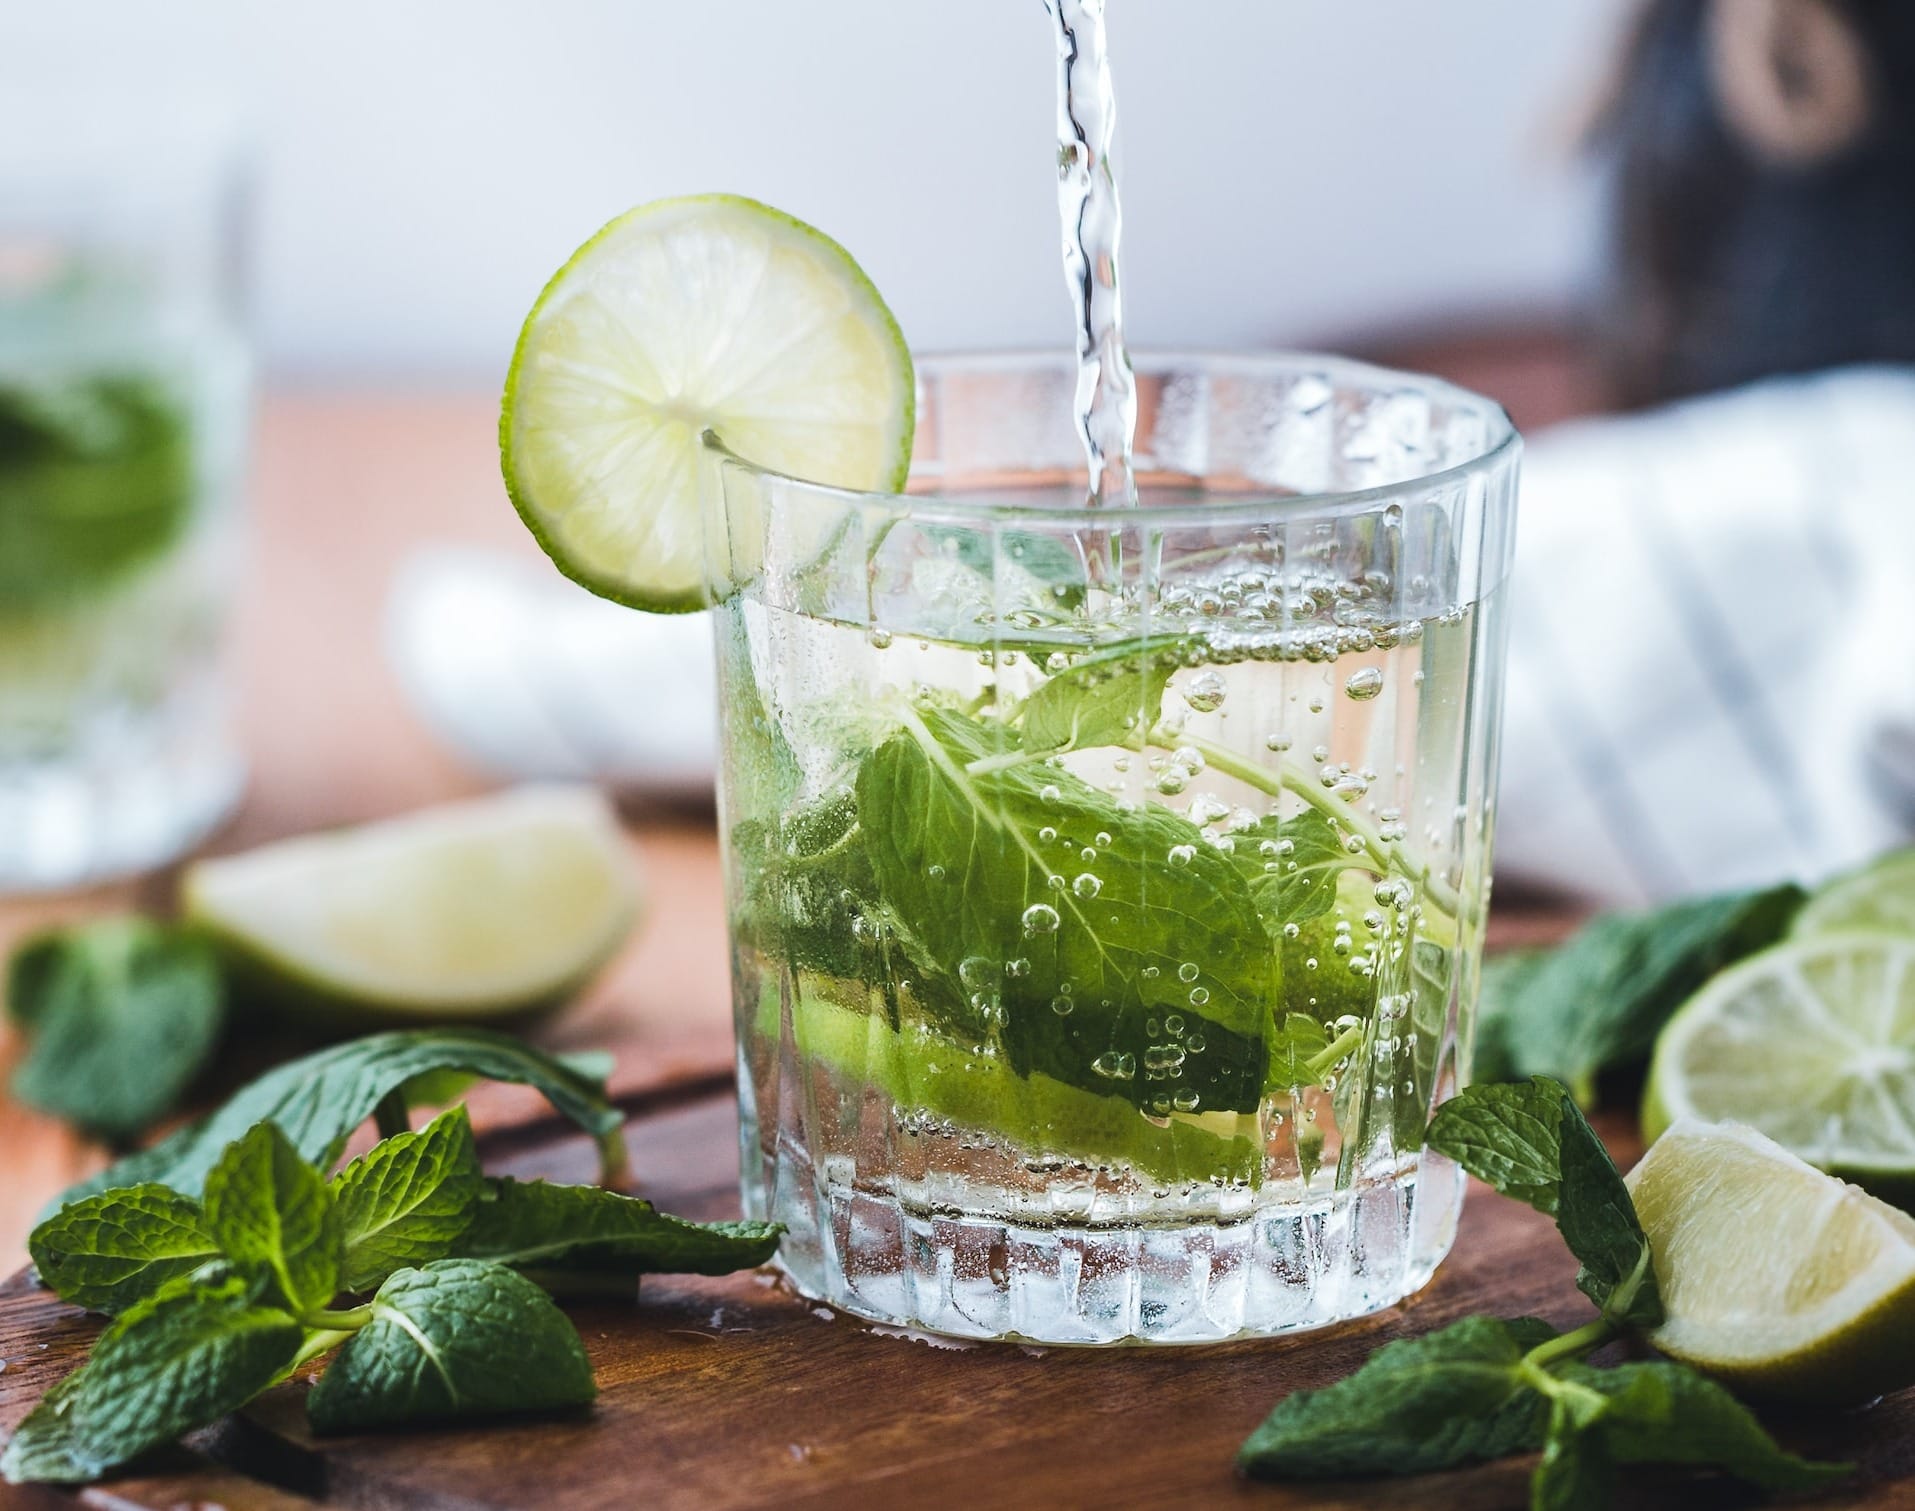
[469, 911]
[1879, 898]
[687, 315]
[1780, 1279]
[1813, 1043]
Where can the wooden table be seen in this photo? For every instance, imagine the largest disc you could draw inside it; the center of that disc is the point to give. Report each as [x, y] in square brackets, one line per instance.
[715, 1392]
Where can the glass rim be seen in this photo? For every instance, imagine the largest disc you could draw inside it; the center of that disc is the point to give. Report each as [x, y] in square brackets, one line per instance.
[1502, 447]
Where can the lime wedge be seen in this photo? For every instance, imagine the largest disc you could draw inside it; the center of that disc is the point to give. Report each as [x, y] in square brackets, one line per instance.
[1878, 898]
[1783, 1281]
[1812, 1042]
[685, 315]
[469, 911]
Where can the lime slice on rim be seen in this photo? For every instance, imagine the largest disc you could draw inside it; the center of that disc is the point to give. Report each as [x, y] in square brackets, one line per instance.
[1781, 1280]
[473, 910]
[1813, 1043]
[686, 315]
[1879, 897]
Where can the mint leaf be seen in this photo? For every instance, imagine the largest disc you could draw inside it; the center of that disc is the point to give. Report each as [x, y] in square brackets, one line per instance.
[318, 1100]
[1665, 1413]
[407, 1199]
[1304, 886]
[1451, 1397]
[176, 1361]
[1598, 1221]
[1292, 1049]
[1508, 1136]
[455, 1339]
[1576, 1472]
[959, 850]
[121, 1015]
[270, 1211]
[1504, 982]
[1532, 1142]
[537, 1225]
[109, 1251]
[1110, 698]
[1598, 1001]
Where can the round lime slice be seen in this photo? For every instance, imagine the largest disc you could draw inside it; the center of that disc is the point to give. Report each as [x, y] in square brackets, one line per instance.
[1784, 1281]
[1813, 1043]
[1879, 897]
[469, 911]
[687, 315]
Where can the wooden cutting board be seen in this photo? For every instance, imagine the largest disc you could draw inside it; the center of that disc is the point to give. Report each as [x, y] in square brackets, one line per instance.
[734, 1393]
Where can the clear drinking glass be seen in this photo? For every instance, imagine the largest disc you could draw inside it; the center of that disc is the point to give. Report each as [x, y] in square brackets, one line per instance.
[1107, 886]
[123, 413]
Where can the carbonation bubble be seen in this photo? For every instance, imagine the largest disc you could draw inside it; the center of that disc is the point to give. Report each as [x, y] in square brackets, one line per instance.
[1040, 918]
[1087, 885]
[1188, 757]
[1188, 972]
[1087, 854]
[1161, 1060]
[1047, 834]
[1205, 809]
[1277, 743]
[1115, 1066]
[880, 639]
[1182, 855]
[936, 873]
[1316, 705]
[1103, 837]
[1051, 793]
[1017, 968]
[1199, 995]
[1150, 973]
[1195, 1044]
[1205, 692]
[1290, 931]
[1186, 1100]
[1062, 1006]
[1173, 781]
[1365, 684]
[1174, 1026]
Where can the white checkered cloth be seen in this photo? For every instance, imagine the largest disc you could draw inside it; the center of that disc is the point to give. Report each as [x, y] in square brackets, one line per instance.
[1712, 642]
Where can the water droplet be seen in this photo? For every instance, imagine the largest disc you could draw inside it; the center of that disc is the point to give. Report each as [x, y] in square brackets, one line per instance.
[1188, 972]
[1182, 855]
[1040, 918]
[1286, 847]
[1365, 684]
[1354, 845]
[880, 639]
[1205, 692]
[1087, 885]
[1199, 995]
[1115, 1066]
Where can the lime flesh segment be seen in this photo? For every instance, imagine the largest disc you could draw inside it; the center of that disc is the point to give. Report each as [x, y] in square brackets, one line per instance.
[686, 315]
[1879, 898]
[469, 911]
[1813, 1043]
[1785, 1282]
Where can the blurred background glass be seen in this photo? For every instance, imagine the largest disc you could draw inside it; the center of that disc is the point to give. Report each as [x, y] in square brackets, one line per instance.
[123, 413]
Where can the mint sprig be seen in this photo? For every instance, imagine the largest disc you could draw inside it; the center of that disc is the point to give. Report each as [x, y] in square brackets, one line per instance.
[1484, 1388]
[220, 1298]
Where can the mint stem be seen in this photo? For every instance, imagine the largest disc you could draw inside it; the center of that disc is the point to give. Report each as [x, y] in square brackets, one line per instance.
[1583, 1340]
[322, 1342]
[350, 1320]
[1325, 1060]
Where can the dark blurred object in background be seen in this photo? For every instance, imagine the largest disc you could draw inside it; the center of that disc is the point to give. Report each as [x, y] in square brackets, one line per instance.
[1764, 157]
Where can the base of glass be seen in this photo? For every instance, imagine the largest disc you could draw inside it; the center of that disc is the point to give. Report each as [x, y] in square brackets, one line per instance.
[73, 824]
[1284, 1267]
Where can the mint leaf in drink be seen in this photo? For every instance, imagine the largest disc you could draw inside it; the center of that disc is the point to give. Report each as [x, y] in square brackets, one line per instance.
[1108, 698]
[1663, 1413]
[1069, 960]
[317, 1101]
[1598, 1001]
[453, 1340]
[1451, 1397]
[176, 1361]
[111, 1250]
[1598, 1221]
[1508, 1135]
[1294, 1049]
[121, 1015]
[1312, 855]
[540, 1226]
[407, 1200]
[271, 1212]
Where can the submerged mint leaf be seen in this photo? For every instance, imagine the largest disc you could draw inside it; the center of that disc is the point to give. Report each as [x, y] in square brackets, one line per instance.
[1598, 1001]
[121, 1016]
[407, 1200]
[1508, 1136]
[1315, 855]
[453, 1340]
[1108, 698]
[176, 1361]
[539, 1225]
[1451, 1397]
[1666, 1413]
[271, 1212]
[111, 1250]
[318, 1100]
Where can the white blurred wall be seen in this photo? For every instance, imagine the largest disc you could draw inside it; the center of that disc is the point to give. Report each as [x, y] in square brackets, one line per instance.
[425, 164]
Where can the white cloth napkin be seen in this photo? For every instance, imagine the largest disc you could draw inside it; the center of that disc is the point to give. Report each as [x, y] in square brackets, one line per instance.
[1712, 642]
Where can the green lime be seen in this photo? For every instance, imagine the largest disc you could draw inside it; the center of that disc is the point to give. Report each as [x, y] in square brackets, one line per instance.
[474, 910]
[1879, 897]
[686, 315]
[1811, 1041]
[1785, 1282]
